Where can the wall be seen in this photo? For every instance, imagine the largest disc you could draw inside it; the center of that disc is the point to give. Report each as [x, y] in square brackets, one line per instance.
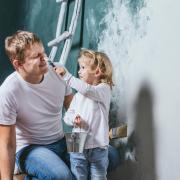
[142, 39]
[150, 66]
[10, 21]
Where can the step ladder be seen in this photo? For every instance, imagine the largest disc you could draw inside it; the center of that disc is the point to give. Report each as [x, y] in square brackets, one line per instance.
[67, 35]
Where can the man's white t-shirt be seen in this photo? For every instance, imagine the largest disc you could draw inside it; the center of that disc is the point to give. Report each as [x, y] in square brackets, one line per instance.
[36, 109]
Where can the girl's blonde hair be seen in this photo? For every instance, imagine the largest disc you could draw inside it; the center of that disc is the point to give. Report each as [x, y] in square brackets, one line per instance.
[100, 60]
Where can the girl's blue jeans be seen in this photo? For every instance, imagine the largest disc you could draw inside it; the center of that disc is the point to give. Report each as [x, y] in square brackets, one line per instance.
[91, 164]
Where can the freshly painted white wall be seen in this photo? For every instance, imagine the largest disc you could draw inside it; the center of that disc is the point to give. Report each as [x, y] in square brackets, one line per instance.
[145, 48]
[156, 59]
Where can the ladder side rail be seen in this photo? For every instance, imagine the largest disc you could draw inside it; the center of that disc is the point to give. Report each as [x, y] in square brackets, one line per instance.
[72, 28]
[59, 26]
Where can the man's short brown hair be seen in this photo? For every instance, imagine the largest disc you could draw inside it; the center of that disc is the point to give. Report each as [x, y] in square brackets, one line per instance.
[18, 43]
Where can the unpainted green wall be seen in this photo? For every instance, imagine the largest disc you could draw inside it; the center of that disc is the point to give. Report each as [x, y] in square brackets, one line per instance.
[41, 17]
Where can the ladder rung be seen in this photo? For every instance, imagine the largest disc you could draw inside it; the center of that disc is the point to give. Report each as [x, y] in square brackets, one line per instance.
[60, 1]
[57, 40]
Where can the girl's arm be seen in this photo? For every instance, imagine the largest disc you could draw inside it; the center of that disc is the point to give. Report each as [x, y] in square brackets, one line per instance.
[97, 93]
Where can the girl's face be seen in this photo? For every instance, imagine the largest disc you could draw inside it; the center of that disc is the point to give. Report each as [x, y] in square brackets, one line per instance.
[85, 72]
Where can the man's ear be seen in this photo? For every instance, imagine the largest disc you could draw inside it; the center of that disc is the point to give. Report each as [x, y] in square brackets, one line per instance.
[16, 63]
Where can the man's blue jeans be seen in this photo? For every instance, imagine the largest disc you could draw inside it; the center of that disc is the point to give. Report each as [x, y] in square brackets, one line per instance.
[51, 161]
[91, 164]
[45, 161]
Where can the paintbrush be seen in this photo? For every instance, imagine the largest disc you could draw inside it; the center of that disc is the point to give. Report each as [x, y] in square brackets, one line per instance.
[118, 132]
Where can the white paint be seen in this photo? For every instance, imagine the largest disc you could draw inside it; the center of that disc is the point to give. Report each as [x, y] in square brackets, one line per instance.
[115, 41]
[152, 53]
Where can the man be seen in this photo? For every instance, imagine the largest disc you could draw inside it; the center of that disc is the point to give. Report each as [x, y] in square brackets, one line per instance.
[31, 99]
[31, 102]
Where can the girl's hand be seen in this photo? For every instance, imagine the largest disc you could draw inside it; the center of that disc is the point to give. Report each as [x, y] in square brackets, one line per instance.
[60, 71]
[79, 122]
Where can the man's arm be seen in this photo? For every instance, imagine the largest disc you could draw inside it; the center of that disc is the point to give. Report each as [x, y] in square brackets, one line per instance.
[7, 154]
[67, 101]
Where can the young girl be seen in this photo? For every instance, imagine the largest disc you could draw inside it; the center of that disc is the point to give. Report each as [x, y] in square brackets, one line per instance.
[89, 109]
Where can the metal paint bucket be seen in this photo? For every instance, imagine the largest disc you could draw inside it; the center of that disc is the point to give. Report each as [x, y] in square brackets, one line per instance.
[75, 141]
